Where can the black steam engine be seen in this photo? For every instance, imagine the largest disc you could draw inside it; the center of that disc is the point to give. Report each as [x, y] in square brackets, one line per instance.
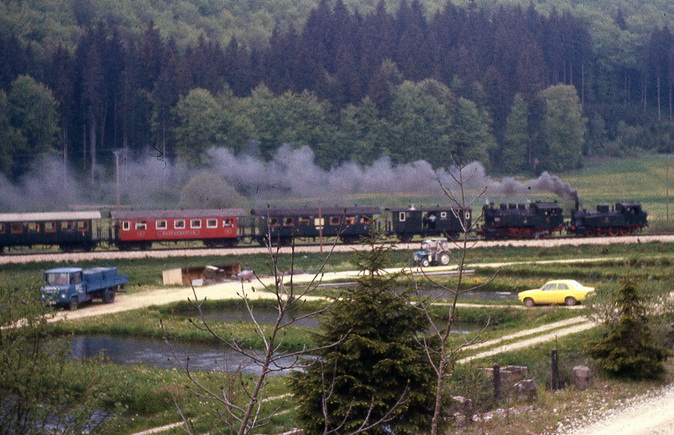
[517, 221]
[625, 218]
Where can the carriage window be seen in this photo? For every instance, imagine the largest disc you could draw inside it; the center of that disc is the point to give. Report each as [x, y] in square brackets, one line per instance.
[273, 221]
[305, 221]
[211, 223]
[350, 220]
[49, 227]
[195, 223]
[402, 217]
[364, 219]
[288, 221]
[142, 225]
[2, 228]
[334, 220]
[16, 227]
[126, 226]
[179, 224]
[228, 223]
[33, 227]
[161, 225]
[83, 226]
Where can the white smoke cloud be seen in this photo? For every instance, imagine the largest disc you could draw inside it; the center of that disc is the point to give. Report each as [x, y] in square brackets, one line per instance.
[152, 183]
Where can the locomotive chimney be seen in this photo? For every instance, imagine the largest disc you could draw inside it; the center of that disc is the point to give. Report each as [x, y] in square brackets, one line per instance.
[577, 201]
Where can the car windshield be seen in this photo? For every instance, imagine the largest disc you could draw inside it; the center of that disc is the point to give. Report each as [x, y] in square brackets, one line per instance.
[58, 279]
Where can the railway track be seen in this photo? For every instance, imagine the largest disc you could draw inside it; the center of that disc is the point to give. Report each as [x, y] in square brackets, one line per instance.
[35, 257]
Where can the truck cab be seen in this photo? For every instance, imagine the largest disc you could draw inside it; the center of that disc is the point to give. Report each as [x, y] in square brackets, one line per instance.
[71, 286]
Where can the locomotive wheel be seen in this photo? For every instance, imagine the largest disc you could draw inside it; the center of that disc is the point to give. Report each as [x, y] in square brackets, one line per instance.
[529, 302]
[570, 301]
[612, 232]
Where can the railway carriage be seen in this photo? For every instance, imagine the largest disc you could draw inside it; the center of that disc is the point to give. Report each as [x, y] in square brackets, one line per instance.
[429, 222]
[281, 225]
[140, 229]
[69, 231]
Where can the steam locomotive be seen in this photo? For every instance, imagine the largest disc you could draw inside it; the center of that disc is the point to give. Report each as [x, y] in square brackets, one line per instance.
[141, 229]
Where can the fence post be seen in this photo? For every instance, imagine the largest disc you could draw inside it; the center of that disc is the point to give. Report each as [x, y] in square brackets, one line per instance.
[554, 380]
[497, 382]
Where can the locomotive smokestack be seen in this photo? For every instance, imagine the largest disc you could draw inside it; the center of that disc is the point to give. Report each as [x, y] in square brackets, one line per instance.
[577, 200]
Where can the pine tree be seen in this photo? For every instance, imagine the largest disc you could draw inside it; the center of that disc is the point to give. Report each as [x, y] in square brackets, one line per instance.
[630, 348]
[375, 374]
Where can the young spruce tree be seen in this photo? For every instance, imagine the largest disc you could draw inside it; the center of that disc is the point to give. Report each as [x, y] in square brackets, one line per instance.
[629, 349]
[375, 378]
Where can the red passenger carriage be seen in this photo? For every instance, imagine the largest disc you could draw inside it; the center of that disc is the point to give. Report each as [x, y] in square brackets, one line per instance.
[139, 229]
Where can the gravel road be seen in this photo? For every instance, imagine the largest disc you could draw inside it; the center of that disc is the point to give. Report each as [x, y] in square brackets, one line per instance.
[652, 414]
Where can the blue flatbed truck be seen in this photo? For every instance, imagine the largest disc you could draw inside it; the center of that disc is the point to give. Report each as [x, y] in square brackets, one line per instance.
[71, 286]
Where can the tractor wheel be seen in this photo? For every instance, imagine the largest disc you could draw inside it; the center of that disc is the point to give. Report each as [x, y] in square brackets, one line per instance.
[425, 263]
[444, 259]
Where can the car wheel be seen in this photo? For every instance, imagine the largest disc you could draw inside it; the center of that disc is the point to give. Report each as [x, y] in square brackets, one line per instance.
[74, 303]
[529, 302]
[570, 301]
[444, 259]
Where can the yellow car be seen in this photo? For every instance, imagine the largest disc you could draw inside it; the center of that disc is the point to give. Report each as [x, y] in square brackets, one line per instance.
[566, 291]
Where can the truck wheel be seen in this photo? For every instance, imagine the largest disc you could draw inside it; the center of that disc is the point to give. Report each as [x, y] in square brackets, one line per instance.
[109, 296]
[74, 303]
[444, 259]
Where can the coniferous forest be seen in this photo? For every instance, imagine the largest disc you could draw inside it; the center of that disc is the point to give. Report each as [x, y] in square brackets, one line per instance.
[520, 88]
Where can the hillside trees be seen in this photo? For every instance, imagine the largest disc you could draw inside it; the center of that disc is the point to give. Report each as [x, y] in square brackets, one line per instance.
[120, 89]
[201, 124]
[31, 119]
[563, 127]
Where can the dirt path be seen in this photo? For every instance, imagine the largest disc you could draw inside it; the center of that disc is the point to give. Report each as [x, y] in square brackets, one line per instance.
[645, 415]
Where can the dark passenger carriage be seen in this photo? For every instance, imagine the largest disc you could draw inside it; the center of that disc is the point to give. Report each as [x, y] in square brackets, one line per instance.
[520, 221]
[281, 225]
[624, 218]
[429, 222]
[68, 230]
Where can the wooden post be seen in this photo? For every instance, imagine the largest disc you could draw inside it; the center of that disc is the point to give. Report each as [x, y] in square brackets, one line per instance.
[497, 382]
[554, 380]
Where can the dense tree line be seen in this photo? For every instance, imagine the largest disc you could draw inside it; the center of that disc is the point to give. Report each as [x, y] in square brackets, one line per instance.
[511, 85]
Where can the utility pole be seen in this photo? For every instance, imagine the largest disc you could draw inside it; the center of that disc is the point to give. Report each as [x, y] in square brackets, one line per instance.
[117, 192]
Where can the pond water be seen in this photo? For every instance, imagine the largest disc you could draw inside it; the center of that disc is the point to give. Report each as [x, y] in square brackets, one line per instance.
[153, 352]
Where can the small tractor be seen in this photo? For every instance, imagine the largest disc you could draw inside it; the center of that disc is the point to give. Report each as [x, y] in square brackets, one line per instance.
[433, 252]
